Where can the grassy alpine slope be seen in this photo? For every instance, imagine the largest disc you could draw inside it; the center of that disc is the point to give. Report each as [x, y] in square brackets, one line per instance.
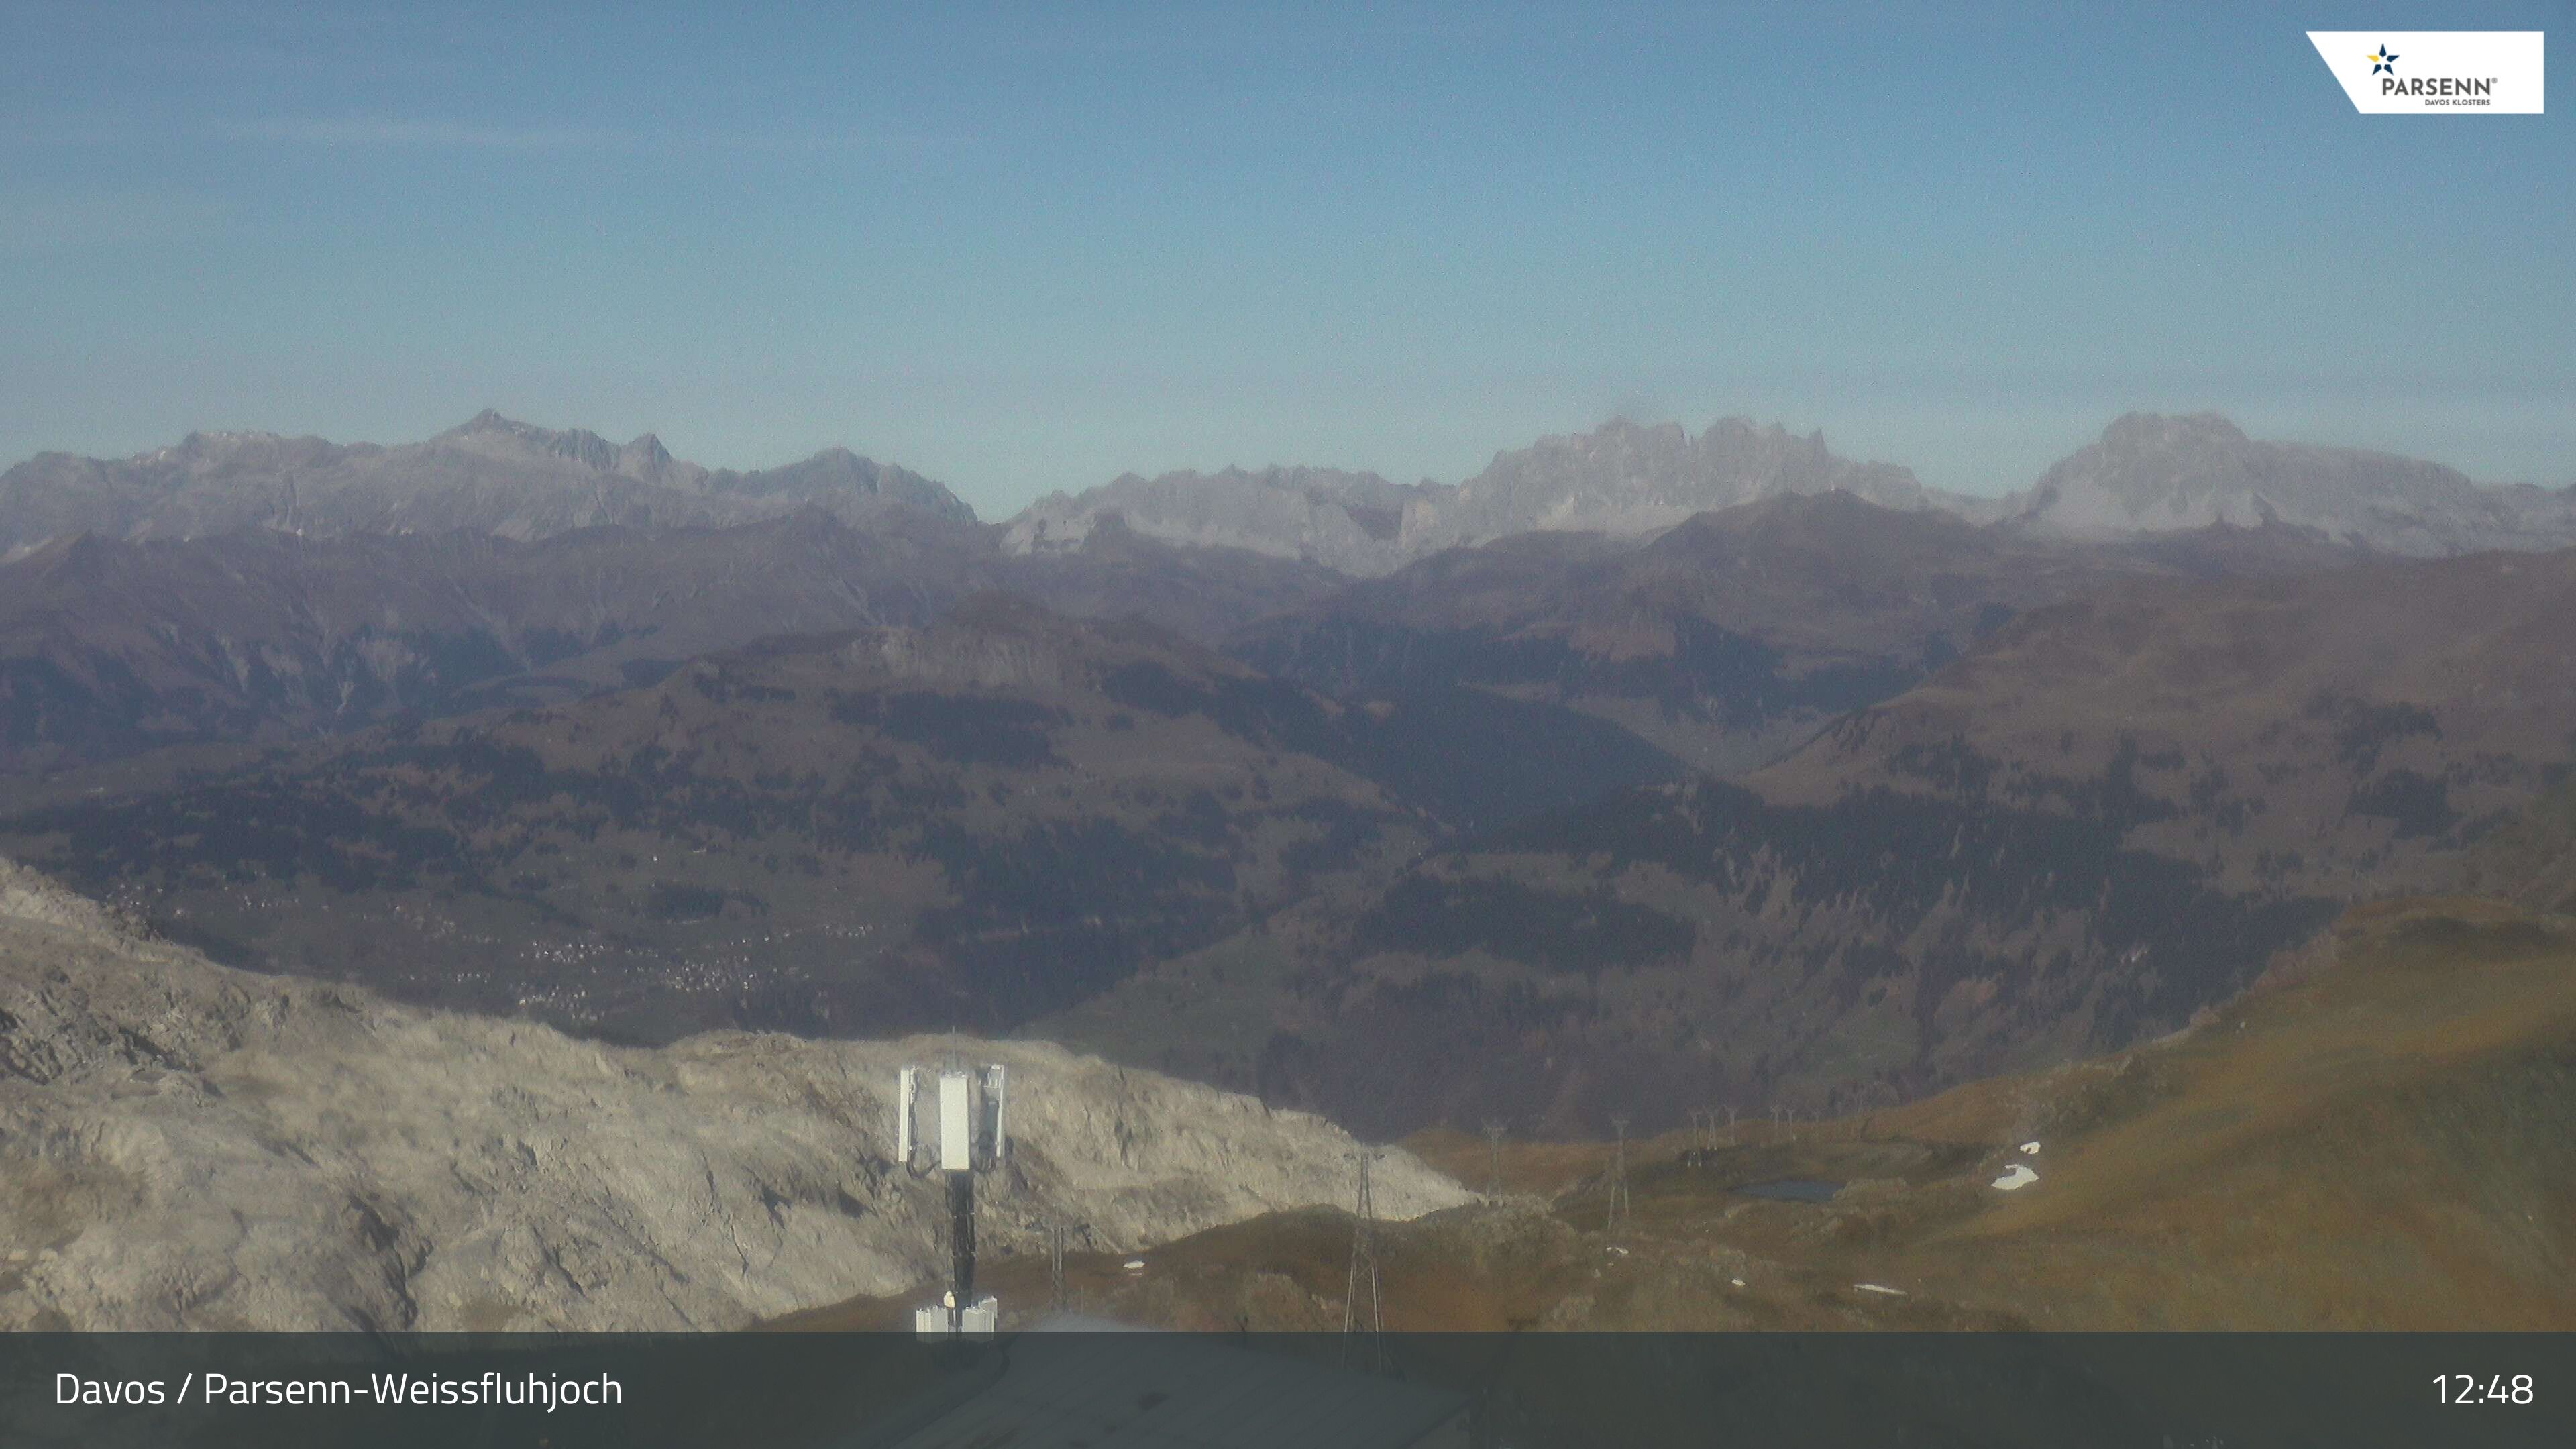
[2380, 1134]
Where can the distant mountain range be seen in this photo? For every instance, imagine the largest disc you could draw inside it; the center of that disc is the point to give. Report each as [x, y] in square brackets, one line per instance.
[1642, 765]
[2154, 474]
[1626, 478]
[488, 475]
[1352, 523]
[1622, 479]
[2148, 475]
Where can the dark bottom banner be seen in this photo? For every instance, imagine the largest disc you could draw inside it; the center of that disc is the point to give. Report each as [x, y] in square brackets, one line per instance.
[1074, 1388]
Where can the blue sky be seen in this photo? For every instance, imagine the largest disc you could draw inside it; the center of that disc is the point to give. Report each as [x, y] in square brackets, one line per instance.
[1025, 248]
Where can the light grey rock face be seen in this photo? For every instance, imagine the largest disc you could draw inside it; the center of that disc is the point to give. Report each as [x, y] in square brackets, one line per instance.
[1622, 479]
[2157, 474]
[1625, 479]
[187, 1146]
[839, 479]
[1344, 521]
[490, 475]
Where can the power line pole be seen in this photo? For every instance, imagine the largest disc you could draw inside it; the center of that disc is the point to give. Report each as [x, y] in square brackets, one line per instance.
[1618, 1177]
[1494, 1129]
[1055, 1262]
[1372, 1327]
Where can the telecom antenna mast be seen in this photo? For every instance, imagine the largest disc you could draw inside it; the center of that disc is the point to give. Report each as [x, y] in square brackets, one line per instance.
[970, 1139]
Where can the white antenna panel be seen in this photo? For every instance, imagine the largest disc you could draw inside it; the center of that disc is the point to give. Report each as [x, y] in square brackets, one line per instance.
[956, 1122]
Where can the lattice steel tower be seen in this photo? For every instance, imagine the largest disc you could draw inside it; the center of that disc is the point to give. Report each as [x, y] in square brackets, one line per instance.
[1371, 1326]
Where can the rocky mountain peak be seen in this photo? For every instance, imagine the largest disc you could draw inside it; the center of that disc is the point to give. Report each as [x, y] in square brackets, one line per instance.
[836, 476]
[2134, 435]
[204, 443]
[1621, 439]
[646, 460]
[1627, 478]
[2157, 473]
[489, 474]
[1623, 478]
[488, 431]
[1340, 519]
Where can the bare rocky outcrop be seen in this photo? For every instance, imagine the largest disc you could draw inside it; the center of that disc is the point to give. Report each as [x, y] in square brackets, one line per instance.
[187, 1146]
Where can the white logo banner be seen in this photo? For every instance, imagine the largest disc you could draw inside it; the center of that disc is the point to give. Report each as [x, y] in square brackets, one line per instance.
[2435, 72]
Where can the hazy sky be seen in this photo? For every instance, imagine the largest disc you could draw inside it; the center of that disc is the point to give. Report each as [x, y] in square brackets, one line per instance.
[1026, 248]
